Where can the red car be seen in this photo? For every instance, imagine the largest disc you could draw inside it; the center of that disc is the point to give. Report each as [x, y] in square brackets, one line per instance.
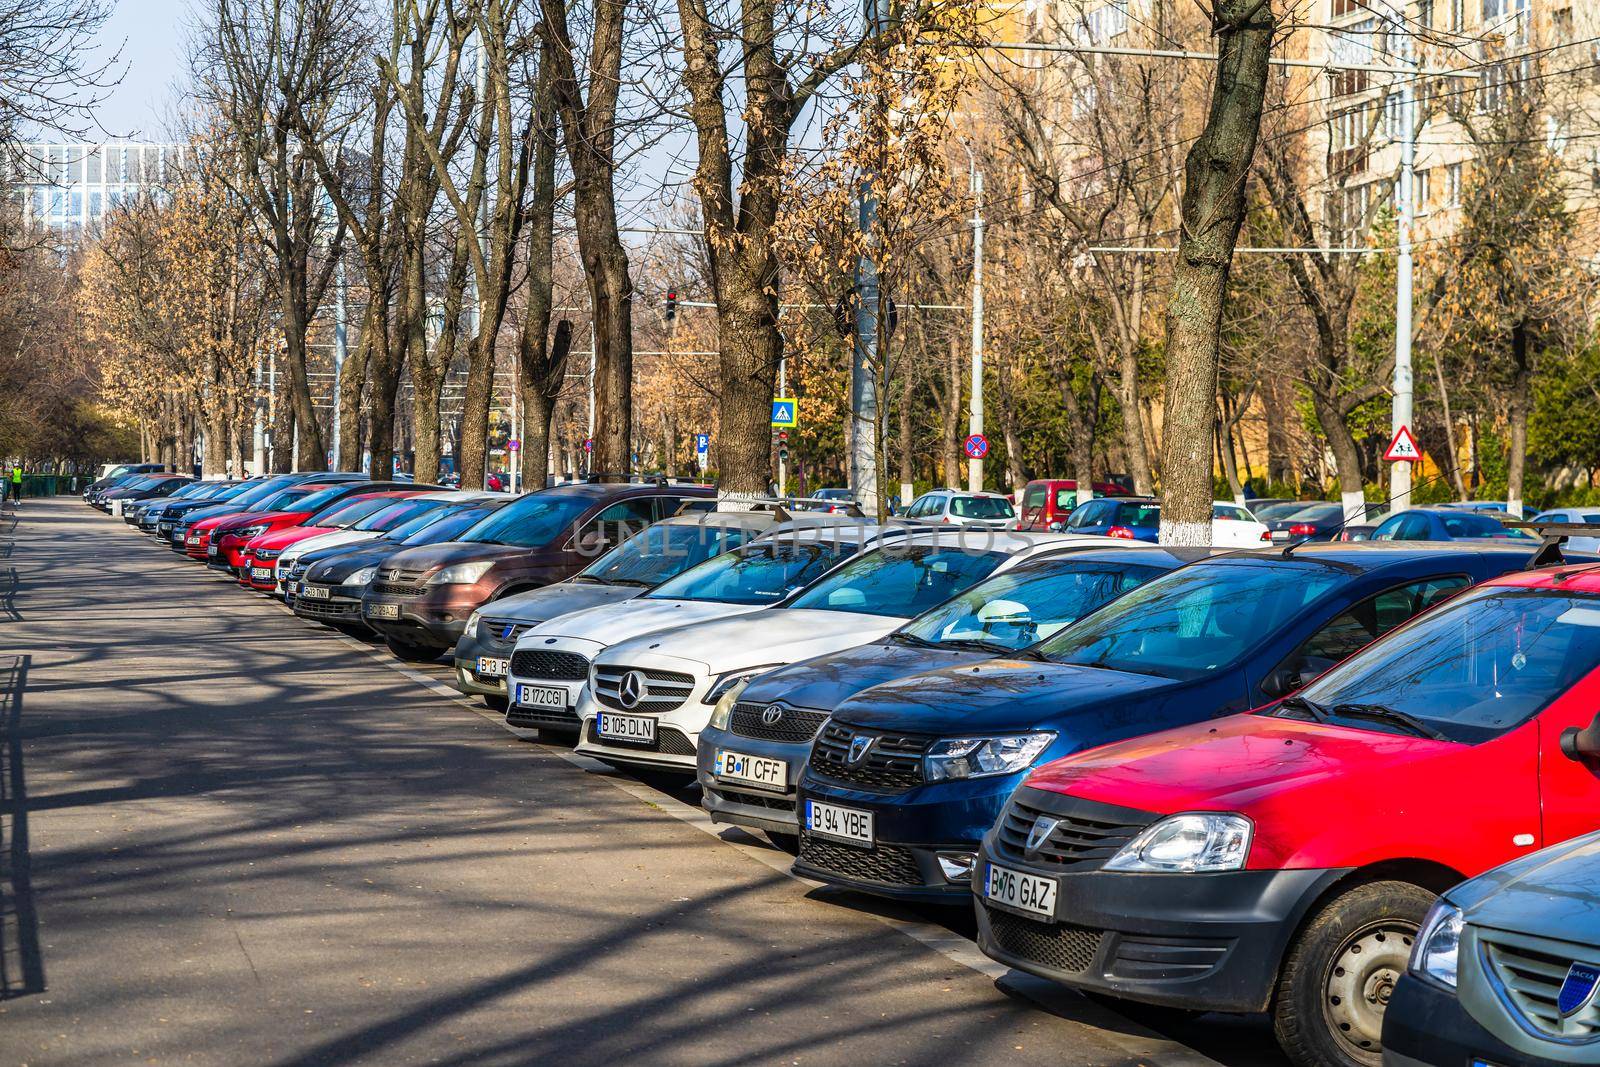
[259, 555]
[199, 543]
[231, 534]
[1046, 502]
[1282, 860]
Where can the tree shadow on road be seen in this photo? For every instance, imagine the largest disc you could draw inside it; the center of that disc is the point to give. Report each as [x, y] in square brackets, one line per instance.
[21, 964]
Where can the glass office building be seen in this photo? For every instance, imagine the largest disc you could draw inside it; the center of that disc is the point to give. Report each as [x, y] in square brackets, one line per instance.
[72, 186]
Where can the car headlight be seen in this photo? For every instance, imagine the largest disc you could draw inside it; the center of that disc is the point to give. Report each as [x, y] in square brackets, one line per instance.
[1185, 844]
[461, 573]
[1438, 946]
[724, 709]
[248, 532]
[472, 623]
[725, 682]
[979, 757]
[361, 577]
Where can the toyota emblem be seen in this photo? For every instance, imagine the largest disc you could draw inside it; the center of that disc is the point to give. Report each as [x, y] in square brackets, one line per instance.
[633, 689]
[771, 714]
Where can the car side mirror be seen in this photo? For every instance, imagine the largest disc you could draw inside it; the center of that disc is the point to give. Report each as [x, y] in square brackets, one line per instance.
[1583, 746]
[1282, 681]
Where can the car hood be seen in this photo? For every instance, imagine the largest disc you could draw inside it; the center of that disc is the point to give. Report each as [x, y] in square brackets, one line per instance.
[215, 511]
[772, 635]
[537, 605]
[823, 682]
[427, 558]
[609, 623]
[1551, 893]
[287, 536]
[339, 562]
[1243, 763]
[249, 518]
[329, 539]
[1010, 694]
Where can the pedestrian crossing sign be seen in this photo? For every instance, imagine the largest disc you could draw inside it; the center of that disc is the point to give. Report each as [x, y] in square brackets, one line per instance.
[785, 412]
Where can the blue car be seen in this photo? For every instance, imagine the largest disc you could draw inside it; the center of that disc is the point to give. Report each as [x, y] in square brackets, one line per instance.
[906, 777]
[1130, 518]
[1445, 524]
[751, 756]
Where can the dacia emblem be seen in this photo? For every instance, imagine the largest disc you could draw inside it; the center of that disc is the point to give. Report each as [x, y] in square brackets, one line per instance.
[1577, 989]
[859, 747]
[1040, 832]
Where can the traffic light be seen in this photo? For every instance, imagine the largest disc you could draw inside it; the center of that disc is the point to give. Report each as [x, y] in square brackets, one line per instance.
[783, 446]
[672, 304]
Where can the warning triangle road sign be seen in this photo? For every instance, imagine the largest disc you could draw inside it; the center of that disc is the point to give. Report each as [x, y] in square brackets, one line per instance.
[1404, 447]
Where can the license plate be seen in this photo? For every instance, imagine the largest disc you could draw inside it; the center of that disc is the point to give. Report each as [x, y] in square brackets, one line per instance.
[211, 550]
[261, 574]
[1280, 535]
[1025, 892]
[383, 611]
[756, 770]
[313, 592]
[493, 666]
[165, 527]
[542, 696]
[845, 824]
[627, 727]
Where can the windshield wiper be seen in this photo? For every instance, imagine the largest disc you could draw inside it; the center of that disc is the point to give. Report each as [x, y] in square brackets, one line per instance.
[640, 582]
[975, 645]
[1384, 713]
[1316, 711]
[903, 638]
[591, 578]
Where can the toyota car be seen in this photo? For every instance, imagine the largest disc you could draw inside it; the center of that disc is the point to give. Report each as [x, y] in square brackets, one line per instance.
[1285, 860]
[759, 738]
[643, 561]
[907, 776]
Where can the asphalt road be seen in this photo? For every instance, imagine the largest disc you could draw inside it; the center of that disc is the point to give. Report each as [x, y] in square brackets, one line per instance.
[231, 837]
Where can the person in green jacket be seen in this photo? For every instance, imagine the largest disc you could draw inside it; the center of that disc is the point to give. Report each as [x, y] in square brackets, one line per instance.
[16, 483]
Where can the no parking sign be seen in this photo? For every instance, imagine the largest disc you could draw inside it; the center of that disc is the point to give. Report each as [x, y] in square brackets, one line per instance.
[976, 446]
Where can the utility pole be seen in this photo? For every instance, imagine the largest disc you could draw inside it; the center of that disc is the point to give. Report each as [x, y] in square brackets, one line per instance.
[258, 436]
[975, 413]
[339, 352]
[783, 390]
[1400, 472]
[863, 366]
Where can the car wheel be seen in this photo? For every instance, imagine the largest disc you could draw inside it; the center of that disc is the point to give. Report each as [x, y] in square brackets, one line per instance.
[1339, 974]
[413, 653]
[789, 843]
[495, 702]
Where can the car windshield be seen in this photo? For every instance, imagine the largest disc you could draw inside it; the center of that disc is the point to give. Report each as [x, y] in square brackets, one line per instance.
[1195, 620]
[259, 491]
[1470, 524]
[981, 507]
[348, 514]
[532, 522]
[321, 498]
[661, 551]
[395, 513]
[1137, 515]
[435, 529]
[1471, 670]
[1025, 605]
[282, 500]
[192, 489]
[143, 481]
[1273, 512]
[235, 491]
[900, 580]
[761, 573]
[1318, 513]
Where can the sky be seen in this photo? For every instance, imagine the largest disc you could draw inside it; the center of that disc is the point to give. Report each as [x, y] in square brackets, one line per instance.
[150, 34]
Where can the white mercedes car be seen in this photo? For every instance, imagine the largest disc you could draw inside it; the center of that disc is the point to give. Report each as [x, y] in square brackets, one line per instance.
[550, 664]
[649, 697]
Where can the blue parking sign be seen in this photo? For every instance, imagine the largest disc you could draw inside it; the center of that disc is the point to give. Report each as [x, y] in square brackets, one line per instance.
[702, 442]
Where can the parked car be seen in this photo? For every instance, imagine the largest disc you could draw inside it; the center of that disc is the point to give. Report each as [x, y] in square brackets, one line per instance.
[831, 500]
[138, 488]
[1444, 524]
[1046, 502]
[329, 583]
[1283, 860]
[938, 753]
[232, 534]
[115, 473]
[1316, 521]
[257, 492]
[422, 598]
[1130, 518]
[196, 529]
[1576, 516]
[401, 509]
[1257, 505]
[551, 662]
[1494, 507]
[650, 697]
[133, 510]
[750, 756]
[194, 495]
[1233, 526]
[1505, 967]
[261, 553]
[639, 564]
[989, 510]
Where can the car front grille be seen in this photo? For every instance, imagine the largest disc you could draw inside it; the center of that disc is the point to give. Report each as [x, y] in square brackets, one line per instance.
[1086, 837]
[1059, 946]
[668, 742]
[792, 725]
[506, 632]
[661, 690]
[264, 555]
[756, 800]
[1529, 973]
[547, 663]
[392, 589]
[542, 718]
[883, 864]
[399, 581]
[327, 610]
[892, 762]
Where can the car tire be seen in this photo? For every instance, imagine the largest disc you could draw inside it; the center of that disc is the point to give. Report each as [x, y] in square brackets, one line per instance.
[495, 702]
[789, 843]
[405, 650]
[1339, 973]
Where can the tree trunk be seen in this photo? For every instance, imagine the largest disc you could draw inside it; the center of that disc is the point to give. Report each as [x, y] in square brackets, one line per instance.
[1280, 460]
[1213, 211]
[352, 381]
[750, 347]
[282, 426]
[471, 461]
[383, 372]
[1519, 403]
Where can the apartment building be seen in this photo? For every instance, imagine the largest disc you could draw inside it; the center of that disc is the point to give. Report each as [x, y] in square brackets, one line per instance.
[71, 186]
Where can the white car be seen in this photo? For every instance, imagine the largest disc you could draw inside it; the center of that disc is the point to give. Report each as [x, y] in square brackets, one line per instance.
[649, 697]
[1232, 526]
[385, 515]
[550, 664]
[1576, 516]
[959, 508]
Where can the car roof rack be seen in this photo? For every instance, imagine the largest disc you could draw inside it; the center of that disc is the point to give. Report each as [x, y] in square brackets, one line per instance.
[783, 507]
[1552, 535]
